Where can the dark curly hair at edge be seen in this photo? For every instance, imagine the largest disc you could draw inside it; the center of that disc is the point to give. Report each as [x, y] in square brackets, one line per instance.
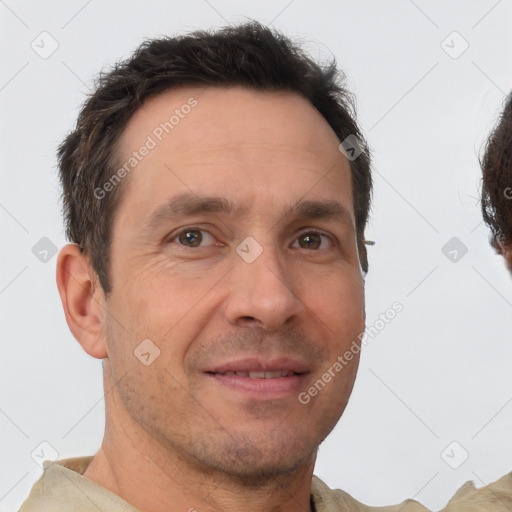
[497, 180]
[249, 55]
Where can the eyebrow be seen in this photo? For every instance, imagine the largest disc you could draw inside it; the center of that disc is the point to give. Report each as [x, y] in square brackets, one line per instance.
[184, 205]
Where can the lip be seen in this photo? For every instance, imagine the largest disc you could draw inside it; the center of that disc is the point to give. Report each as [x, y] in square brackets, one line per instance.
[260, 388]
[258, 364]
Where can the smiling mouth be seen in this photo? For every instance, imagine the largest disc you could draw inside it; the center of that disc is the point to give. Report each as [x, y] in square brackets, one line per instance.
[276, 374]
[261, 378]
[260, 384]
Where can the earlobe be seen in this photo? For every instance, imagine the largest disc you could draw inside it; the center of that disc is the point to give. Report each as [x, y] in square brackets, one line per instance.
[504, 250]
[82, 300]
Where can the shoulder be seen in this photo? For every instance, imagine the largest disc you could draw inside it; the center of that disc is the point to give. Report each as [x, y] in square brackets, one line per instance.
[495, 497]
[332, 500]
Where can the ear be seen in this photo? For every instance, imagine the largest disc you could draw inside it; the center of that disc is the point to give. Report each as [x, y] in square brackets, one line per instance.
[504, 250]
[508, 259]
[82, 299]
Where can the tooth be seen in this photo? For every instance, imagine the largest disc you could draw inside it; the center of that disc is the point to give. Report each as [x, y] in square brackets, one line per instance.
[257, 375]
[273, 375]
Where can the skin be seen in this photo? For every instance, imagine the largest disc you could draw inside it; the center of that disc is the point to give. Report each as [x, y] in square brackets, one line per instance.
[506, 252]
[170, 427]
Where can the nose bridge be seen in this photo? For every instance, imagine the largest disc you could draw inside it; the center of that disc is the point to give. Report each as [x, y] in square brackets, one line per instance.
[261, 286]
[262, 265]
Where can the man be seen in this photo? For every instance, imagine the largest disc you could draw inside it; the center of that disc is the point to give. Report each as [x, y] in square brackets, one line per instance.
[217, 270]
[497, 184]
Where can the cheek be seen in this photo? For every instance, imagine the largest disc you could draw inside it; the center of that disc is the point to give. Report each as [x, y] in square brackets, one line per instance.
[336, 300]
[165, 304]
[159, 296]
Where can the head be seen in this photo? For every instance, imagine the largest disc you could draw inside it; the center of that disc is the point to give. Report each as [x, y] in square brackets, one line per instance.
[497, 184]
[218, 228]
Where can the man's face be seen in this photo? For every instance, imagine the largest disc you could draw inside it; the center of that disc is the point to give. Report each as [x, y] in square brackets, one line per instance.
[190, 280]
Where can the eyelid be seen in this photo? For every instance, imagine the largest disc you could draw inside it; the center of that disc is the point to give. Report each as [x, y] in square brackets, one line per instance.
[175, 234]
[172, 236]
[332, 238]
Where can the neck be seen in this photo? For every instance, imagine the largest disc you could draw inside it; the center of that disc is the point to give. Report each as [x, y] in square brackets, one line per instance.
[152, 477]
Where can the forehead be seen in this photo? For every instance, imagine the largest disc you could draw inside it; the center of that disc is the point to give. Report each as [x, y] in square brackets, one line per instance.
[195, 119]
[268, 144]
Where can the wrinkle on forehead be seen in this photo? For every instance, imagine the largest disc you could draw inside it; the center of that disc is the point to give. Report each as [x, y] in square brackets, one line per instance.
[233, 119]
[235, 141]
[256, 156]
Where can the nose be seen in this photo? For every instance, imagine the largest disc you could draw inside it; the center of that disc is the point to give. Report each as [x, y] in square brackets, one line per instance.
[262, 293]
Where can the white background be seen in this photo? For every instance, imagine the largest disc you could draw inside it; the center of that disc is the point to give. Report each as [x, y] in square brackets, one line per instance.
[439, 372]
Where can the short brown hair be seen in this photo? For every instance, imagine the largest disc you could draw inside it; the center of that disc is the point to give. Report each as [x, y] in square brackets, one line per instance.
[497, 180]
[250, 55]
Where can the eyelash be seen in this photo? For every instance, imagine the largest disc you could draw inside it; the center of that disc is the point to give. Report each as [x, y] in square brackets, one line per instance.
[306, 232]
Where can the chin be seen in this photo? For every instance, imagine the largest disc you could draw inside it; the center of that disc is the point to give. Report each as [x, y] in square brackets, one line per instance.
[254, 463]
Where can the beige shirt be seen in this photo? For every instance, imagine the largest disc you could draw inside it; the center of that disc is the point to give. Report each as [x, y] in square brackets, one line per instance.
[61, 488]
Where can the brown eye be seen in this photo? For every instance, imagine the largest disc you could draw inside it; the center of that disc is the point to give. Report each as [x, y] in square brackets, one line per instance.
[194, 238]
[312, 241]
[190, 238]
